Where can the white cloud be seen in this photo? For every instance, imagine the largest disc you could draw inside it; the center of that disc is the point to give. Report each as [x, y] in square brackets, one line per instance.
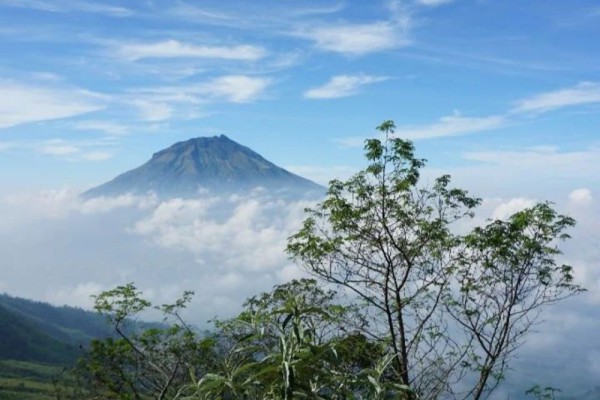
[257, 224]
[6, 145]
[510, 207]
[46, 76]
[581, 197]
[59, 149]
[73, 150]
[324, 174]
[153, 110]
[97, 156]
[162, 103]
[433, 3]
[351, 141]
[98, 205]
[22, 103]
[342, 86]
[539, 157]
[235, 88]
[19, 208]
[63, 203]
[454, 125]
[176, 49]
[60, 6]
[580, 94]
[538, 172]
[224, 247]
[100, 8]
[108, 127]
[357, 39]
[79, 294]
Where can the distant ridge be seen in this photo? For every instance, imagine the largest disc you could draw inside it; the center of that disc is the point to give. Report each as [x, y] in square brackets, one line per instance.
[40, 332]
[215, 163]
[35, 331]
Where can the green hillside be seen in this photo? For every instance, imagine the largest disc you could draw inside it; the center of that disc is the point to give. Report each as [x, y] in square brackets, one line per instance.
[40, 343]
[23, 340]
[20, 380]
[66, 324]
[36, 331]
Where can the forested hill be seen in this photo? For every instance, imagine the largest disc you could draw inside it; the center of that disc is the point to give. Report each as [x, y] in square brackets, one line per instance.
[36, 331]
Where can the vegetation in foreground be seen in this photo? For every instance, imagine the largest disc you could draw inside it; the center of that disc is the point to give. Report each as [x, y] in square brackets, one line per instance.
[21, 380]
[428, 314]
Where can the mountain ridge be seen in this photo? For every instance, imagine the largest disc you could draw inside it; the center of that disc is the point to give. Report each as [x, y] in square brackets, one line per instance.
[216, 163]
[37, 331]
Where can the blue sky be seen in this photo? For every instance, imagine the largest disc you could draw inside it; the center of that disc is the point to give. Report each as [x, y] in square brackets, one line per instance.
[90, 89]
[503, 95]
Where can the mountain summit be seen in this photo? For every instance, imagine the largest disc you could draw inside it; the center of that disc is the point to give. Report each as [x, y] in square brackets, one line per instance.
[215, 163]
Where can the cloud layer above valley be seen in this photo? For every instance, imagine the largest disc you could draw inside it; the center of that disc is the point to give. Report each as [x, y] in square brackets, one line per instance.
[59, 248]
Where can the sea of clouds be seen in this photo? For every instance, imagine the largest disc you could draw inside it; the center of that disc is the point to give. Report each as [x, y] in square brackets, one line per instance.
[60, 248]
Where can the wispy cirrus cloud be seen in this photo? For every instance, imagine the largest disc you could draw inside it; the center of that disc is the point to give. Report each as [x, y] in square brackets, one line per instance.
[176, 49]
[71, 150]
[97, 156]
[22, 103]
[6, 145]
[433, 3]
[357, 39]
[59, 149]
[585, 93]
[539, 172]
[322, 174]
[62, 6]
[580, 94]
[542, 157]
[280, 17]
[342, 86]
[165, 102]
[107, 127]
[155, 109]
[453, 125]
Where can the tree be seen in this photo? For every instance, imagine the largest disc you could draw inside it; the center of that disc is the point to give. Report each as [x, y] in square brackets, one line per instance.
[506, 274]
[431, 314]
[298, 342]
[143, 362]
[428, 291]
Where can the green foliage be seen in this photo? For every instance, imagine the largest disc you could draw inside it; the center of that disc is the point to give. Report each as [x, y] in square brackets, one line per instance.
[449, 305]
[547, 393]
[298, 342]
[21, 380]
[140, 364]
[427, 307]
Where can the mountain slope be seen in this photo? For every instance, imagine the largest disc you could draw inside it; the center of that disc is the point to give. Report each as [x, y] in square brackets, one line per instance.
[40, 332]
[23, 340]
[216, 163]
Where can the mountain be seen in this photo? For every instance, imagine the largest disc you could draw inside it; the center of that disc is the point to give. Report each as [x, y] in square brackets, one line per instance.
[40, 332]
[23, 340]
[215, 163]
[37, 331]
